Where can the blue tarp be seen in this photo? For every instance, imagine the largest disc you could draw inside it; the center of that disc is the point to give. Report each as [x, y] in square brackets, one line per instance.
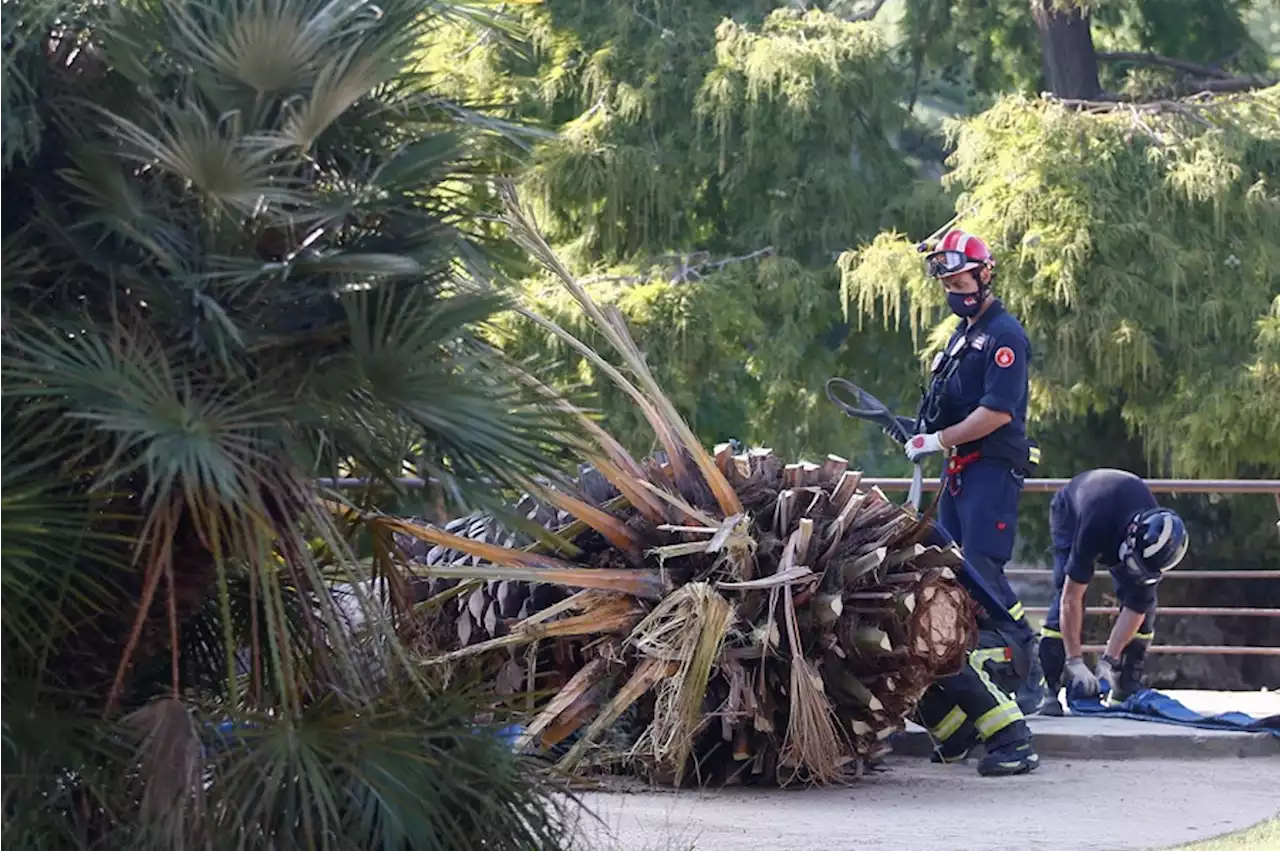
[1151, 705]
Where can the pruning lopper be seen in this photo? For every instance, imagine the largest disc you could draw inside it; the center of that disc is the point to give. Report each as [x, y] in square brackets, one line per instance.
[867, 407]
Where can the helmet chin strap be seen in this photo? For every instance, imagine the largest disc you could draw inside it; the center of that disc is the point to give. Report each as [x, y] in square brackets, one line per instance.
[1127, 548]
[984, 287]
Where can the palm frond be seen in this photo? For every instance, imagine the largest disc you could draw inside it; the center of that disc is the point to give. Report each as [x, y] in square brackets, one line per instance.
[615, 331]
[233, 236]
[221, 161]
[393, 777]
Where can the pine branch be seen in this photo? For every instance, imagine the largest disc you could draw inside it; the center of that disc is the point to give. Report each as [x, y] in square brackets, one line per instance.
[689, 267]
[1195, 105]
[1198, 109]
[1204, 71]
[686, 273]
[864, 15]
[613, 279]
[837, 8]
[1203, 78]
[1230, 84]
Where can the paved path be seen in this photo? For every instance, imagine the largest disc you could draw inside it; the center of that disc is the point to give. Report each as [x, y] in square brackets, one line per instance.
[1174, 785]
[917, 806]
[1122, 738]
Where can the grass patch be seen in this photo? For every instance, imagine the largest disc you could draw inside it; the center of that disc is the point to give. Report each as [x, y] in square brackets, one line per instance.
[1264, 836]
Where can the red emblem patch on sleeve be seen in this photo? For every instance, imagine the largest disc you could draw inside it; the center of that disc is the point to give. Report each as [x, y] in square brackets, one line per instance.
[1004, 357]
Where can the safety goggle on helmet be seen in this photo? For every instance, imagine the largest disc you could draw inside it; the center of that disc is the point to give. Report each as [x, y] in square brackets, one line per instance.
[955, 253]
[1154, 542]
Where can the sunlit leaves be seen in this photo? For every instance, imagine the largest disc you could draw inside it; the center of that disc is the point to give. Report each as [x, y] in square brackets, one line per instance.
[1140, 250]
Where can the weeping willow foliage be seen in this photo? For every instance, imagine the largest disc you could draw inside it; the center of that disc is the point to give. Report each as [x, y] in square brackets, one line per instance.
[689, 135]
[713, 133]
[1141, 250]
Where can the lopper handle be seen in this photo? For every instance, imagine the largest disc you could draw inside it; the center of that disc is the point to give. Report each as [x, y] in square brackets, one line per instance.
[916, 492]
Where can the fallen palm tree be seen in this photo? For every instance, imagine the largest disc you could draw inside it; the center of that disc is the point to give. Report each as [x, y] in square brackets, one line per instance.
[787, 641]
[749, 618]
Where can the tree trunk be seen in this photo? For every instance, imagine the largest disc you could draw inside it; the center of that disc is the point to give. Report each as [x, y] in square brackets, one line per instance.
[1070, 64]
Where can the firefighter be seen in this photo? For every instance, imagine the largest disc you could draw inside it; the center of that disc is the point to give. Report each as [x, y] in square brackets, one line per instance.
[1108, 516]
[974, 705]
[974, 411]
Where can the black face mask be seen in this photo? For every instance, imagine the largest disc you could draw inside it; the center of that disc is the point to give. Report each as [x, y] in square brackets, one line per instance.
[967, 305]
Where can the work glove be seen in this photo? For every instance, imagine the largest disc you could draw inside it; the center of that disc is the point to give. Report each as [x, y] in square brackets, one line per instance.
[1106, 673]
[922, 445]
[1080, 677]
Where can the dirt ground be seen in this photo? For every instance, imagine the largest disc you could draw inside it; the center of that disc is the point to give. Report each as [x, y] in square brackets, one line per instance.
[916, 806]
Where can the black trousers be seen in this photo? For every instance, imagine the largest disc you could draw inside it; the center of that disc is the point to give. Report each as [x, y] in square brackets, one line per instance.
[978, 507]
[975, 704]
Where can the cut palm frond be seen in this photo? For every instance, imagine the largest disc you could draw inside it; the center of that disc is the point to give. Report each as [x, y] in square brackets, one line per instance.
[688, 628]
[615, 331]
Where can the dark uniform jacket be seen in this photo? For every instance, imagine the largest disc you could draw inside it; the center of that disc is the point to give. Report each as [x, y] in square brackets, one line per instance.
[992, 373]
[1088, 519]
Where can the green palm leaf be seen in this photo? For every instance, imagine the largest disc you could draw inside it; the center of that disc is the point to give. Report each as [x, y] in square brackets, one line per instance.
[236, 240]
[332, 779]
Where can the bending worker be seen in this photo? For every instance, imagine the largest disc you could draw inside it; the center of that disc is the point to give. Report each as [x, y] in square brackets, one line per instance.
[1109, 516]
[975, 411]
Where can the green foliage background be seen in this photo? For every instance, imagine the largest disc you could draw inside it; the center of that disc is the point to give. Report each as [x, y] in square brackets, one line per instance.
[695, 135]
[1140, 250]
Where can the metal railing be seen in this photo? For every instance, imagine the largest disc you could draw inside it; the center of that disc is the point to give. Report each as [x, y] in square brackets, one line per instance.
[1156, 485]
[1185, 486]
[1182, 486]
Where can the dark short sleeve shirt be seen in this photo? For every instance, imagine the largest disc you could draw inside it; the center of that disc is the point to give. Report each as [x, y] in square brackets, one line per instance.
[1100, 505]
[992, 373]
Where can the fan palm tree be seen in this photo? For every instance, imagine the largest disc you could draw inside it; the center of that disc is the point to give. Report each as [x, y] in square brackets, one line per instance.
[233, 236]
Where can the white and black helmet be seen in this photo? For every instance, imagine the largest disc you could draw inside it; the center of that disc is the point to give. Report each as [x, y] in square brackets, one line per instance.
[1154, 541]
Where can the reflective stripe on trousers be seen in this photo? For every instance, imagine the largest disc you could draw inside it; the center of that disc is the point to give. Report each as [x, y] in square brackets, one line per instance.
[1006, 711]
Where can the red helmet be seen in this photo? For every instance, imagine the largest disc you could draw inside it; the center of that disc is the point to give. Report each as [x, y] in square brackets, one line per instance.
[957, 252]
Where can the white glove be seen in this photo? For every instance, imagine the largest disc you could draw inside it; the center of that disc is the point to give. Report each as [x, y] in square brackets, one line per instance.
[1078, 673]
[1106, 674]
[923, 444]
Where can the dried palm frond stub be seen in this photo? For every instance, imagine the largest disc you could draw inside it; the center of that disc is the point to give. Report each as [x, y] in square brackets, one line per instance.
[755, 620]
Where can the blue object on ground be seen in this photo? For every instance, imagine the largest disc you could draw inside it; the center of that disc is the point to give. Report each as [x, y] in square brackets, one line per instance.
[507, 735]
[1151, 705]
[510, 733]
[226, 733]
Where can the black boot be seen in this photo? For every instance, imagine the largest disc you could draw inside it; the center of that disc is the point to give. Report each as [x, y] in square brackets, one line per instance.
[1010, 759]
[949, 752]
[1053, 661]
[1009, 752]
[957, 747]
[1129, 677]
